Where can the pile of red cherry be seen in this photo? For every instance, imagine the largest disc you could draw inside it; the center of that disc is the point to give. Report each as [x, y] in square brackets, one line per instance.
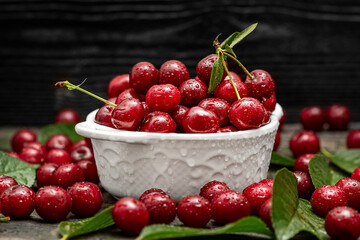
[63, 166]
[167, 101]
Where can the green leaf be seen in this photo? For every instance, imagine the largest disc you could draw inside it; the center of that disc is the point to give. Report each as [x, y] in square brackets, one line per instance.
[100, 221]
[216, 74]
[22, 172]
[245, 225]
[236, 37]
[67, 129]
[291, 215]
[347, 160]
[321, 173]
[279, 159]
[229, 50]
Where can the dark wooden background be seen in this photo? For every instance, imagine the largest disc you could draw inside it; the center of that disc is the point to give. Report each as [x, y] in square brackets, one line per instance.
[311, 48]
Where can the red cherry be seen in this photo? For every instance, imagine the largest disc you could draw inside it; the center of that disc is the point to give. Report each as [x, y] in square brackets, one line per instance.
[219, 106]
[128, 114]
[82, 153]
[233, 76]
[304, 141]
[265, 213]
[67, 115]
[262, 85]
[267, 181]
[103, 115]
[313, 118]
[79, 143]
[257, 194]
[36, 145]
[192, 92]
[270, 103]
[149, 191]
[58, 156]
[20, 137]
[130, 215]
[227, 129]
[44, 174]
[13, 154]
[5, 182]
[246, 113]
[343, 223]
[352, 189]
[127, 93]
[226, 91]
[90, 171]
[338, 116]
[31, 155]
[173, 72]
[67, 174]
[52, 203]
[356, 174]
[200, 120]
[161, 207]
[353, 139]
[213, 188]
[302, 162]
[204, 68]
[326, 198]
[117, 85]
[159, 122]
[178, 114]
[194, 211]
[304, 186]
[143, 75]
[58, 141]
[163, 97]
[230, 206]
[146, 108]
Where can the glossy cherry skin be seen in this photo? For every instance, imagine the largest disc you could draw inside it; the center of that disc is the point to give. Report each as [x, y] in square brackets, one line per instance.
[90, 171]
[270, 103]
[192, 92]
[200, 120]
[262, 86]
[67, 115]
[173, 72]
[103, 115]
[257, 194]
[304, 141]
[150, 191]
[313, 118]
[326, 198]
[219, 106]
[20, 137]
[52, 203]
[233, 75]
[213, 188]
[44, 174]
[265, 213]
[82, 153]
[36, 145]
[143, 75]
[304, 186]
[128, 114]
[130, 215]
[302, 162]
[58, 141]
[267, 181]
[87, 199]
[178, 114]
[31, 155]
[204, 67]
[338, 117]
[127, 93]
[164, 97]
[17, 202]
[58, 156]
[5, 182]
[77, 144]
[229, 207]
[353, 139]
[343, 223]
[247, 113]
[227, 129]
[352, 189]
[194, 211]
[159, 122]
[117, 85]
[356, 174]
[226, 91]
[13, 154]
[161, 207]
[67, 174]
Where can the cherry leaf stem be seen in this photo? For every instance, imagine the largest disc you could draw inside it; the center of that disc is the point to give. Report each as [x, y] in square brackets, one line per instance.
[326, 153]
[5, 219]
[71, 86]
[240, 64]
[227, 72]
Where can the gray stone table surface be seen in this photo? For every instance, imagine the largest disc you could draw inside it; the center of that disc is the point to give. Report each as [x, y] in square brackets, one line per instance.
[34, 228]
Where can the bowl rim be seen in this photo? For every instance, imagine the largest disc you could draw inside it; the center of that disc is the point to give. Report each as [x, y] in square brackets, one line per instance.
[89, 128]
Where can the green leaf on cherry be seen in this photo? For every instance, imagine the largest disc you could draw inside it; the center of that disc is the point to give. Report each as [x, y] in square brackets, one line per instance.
[278, 159]
[100, 221]
[347, 160]
[236, 37]
[245, 225]
[291, 215]
[22, 172]
[320, 172]
[216, 74]
[67, 129]
[229, 50]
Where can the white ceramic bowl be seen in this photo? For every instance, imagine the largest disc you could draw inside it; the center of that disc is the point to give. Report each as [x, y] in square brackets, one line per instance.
[129, 163]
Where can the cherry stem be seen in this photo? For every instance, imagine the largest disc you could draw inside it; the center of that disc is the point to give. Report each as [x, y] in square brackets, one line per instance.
[71, 86]
[240, 64]
[231, 80]
[65, 237]
[326, 153]
[5, 219]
